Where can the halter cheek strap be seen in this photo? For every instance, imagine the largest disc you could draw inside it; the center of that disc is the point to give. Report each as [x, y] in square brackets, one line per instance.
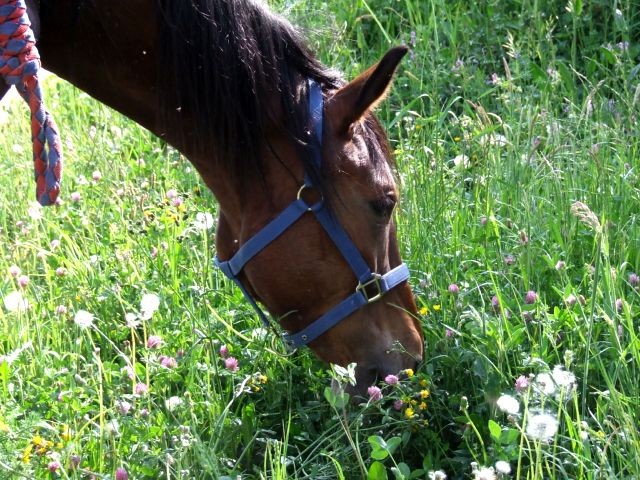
[371, 286]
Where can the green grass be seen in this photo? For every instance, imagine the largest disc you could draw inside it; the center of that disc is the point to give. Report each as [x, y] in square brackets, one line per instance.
[556, 124]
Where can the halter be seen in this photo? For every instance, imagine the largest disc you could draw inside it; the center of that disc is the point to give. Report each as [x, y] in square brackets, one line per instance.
[371, 286]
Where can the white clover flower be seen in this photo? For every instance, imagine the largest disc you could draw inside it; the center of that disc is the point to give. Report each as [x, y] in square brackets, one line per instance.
[503, 468]
[83, 319]
[172, 403]
[544, 384]
[15, 302]
[542, 426]
[437, 475]
[148, 305]
[34, 211]
[460, 161]
[508, 404]
[203, 221]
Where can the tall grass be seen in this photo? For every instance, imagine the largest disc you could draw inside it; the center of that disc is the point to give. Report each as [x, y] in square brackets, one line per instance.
[504, 117]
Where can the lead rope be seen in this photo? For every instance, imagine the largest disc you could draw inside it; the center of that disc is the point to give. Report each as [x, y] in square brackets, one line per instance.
[19, 66]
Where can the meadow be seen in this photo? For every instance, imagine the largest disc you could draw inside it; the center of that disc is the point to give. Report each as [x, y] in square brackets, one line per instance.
[125, 354]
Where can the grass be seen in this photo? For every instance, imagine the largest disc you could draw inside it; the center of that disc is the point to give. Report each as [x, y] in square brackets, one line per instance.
[505, 115]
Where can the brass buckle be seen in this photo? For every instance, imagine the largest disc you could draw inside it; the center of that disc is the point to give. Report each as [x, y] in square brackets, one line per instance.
[371, 297]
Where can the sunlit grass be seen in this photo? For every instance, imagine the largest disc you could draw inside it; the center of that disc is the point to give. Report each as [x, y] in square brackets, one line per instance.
[501, 120]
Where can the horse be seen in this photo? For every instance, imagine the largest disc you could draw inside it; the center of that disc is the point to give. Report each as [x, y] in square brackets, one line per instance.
[235, 89]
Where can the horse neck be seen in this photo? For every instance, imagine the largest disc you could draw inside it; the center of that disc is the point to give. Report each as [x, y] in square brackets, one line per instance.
[99, 49]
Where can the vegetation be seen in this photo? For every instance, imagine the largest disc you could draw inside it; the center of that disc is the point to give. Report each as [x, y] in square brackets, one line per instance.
[515, 129]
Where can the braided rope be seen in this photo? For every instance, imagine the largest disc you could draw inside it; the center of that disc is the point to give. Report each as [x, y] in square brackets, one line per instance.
[19, 66]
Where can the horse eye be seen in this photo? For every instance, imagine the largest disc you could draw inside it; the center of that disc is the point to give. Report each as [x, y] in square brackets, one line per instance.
[383, 207]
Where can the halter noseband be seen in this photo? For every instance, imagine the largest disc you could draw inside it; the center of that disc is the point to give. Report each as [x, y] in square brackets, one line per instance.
[371, 286]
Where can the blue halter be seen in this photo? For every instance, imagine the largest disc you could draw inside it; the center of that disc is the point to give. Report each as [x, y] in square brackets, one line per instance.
[371, 286]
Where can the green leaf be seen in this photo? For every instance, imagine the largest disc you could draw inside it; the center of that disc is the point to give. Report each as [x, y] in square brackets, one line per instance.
[377, 472]
[402, 472]
[509, 436]
[393, 444]
[495, 430]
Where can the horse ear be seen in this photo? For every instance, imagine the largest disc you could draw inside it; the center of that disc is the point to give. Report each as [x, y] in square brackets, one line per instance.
[351, 102]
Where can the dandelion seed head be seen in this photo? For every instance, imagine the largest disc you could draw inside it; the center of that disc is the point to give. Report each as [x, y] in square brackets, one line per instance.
[172, 403]
[15, 302]
[437, 475]
[544, 384]
[508, 404]
[149, 304]
[83, 319]
[542, 426]
[503, 468]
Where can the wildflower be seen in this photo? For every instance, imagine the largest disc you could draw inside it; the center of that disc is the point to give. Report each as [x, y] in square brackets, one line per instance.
[634, 280]
[123, 407]
[131, 320]
[564, 379]
[449, 333]
[141, 388]
[154, 252]
[391, 379]
[571, 300]
[544, 384]
[398, 404]
[437, 307]
[437, 475]
[522, 383]
[61, 309]
[531, 297]
[74, 461]
[508, 404]
[485, 473]
[460, 161]
[231, 364]
[121, 474]
[23, 281]
[35, 211]
[204, 221]
[172, 403]
[120, 192]
[483, 220]
[524, 238]
[154, 341]
[454, 289]
[14, 271]
[75, 196]
[509, 260]
[61, 271]
[503, 468]
[54, 466]
[560, 265]
[168, 362]
[224, 351]
[171, 194]
[409, 412]
[83, 319]
[149, 304]
[374, 393]
[619, 304]
[424, 393]
[424, 310]
[541, 426]
[15, 302]
[177, 201]
[96, 175]
[495, 303]
[409, 372]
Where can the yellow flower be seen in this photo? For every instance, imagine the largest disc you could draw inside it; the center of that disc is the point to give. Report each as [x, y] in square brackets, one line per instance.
[38, 441]
[422, 406]
[4, 427]
[423, 382]
[263, 379]
[456, 139]
[66, 433]
[436, 308]
[409, 413]
[26, 455]
[424, 393]
[409, 372]
[424, 311]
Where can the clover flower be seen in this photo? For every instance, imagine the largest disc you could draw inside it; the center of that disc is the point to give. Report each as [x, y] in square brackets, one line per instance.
[231, 364]
[121, 474]
[454, 289]
[522, 383]
[391, 379]
[531, 297]
[374, 393]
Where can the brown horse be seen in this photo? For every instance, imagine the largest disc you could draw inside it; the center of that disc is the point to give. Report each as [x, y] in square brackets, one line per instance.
[226, 83]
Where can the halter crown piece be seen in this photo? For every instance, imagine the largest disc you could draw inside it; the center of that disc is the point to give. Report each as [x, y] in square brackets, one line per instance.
[371, 286]
[19, 66]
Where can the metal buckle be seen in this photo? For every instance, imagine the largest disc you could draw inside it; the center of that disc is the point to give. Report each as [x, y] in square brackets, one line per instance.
[371, 297]
[313, 207]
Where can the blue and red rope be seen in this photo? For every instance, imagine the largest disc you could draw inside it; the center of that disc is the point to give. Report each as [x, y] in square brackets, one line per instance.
[19, 66]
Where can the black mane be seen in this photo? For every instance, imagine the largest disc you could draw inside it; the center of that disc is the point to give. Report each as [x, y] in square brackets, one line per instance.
[229, 57]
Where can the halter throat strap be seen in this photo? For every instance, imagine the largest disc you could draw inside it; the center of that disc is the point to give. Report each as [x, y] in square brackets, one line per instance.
[371, 286]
